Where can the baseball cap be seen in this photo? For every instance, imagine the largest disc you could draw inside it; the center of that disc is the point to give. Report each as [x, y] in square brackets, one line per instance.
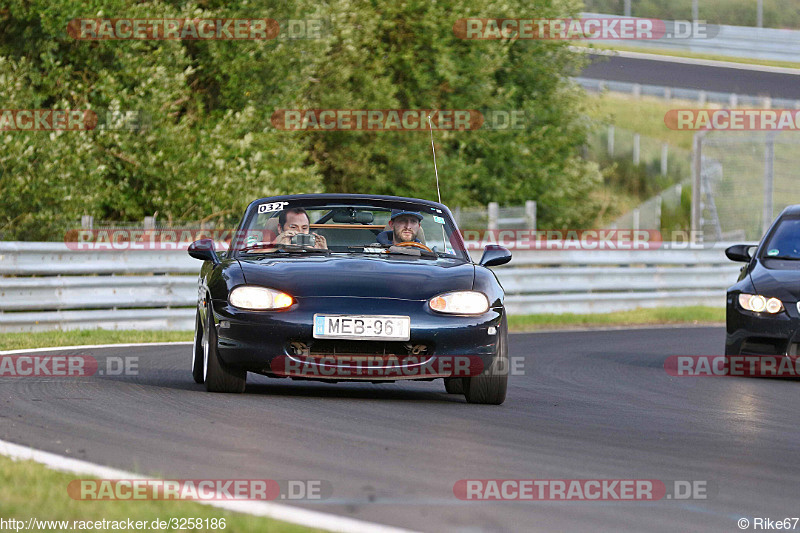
[397, 212]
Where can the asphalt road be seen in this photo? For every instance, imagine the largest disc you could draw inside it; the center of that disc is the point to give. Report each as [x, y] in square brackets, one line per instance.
[590, 405]
[672, 74]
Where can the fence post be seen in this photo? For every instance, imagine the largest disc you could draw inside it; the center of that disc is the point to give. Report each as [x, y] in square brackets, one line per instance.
[637, 90]
[87, 222]
[149, 223]
[636, 218]
[611, 140]
[659, 204]
[628, 8]
[733, 100]
[664, 158]
[697, 193]
[494, 214]
[769, 160]
[636, 146]
[667, 93]
[759, 13]
[530, 214]
[702, 97]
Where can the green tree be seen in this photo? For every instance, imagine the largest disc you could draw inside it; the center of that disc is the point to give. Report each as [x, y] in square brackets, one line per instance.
[207, 145]
[405, 55]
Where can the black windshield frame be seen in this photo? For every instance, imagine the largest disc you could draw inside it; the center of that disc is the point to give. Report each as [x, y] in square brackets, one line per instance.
[314, 202]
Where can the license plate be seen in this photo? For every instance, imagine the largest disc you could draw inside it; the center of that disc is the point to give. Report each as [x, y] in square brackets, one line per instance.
[363, 327]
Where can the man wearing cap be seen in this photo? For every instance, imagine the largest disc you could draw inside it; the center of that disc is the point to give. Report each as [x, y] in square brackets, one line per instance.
[404, 227]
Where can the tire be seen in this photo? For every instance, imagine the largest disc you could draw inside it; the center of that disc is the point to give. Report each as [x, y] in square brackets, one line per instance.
[490, 386]
[218, 376]
[454, 385]
[727, 364]
[198, 359]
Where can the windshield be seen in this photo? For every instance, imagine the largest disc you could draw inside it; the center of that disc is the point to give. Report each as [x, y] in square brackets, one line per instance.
[785, 240]
[383, 227]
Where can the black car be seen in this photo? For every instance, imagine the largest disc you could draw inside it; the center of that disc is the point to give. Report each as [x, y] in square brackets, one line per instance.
[343, 287]
[762, 307]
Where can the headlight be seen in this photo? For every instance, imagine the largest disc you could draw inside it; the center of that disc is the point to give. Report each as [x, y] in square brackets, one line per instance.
[249, 297]
[759, 304]
[460, 303]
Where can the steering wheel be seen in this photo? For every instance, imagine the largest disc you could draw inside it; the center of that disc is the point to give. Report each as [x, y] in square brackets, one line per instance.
[414, 245]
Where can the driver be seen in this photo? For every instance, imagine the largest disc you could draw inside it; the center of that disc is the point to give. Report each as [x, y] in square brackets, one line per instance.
[294, 221]
[404, 228]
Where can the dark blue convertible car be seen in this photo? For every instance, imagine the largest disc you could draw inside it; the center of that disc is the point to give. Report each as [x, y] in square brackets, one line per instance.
[342, 287]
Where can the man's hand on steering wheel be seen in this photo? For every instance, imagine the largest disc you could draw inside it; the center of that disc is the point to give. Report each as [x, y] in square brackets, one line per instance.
[414, 245]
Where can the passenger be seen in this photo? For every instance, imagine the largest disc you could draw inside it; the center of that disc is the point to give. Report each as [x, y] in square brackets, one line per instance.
[294, 221]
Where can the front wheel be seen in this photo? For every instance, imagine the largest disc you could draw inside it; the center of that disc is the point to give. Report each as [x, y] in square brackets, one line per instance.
[218, 376]
[490, 386]
[198, 351]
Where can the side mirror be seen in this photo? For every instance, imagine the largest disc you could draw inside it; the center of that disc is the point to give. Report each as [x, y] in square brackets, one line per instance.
[204, 250]
[739, 252]
[494, 255]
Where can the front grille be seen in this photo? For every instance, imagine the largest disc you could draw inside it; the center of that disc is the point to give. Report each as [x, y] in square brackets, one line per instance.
[334, 348]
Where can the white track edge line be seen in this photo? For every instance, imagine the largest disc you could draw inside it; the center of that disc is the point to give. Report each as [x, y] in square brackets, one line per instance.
[294, 515]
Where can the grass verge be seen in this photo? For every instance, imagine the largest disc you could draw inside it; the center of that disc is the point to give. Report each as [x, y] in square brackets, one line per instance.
[694, 55]
[44, 339]
[643, 115]
[30, 490]
[638, 317]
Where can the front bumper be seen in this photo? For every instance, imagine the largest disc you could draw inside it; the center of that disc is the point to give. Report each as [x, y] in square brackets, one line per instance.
[750, 333]
[254, 340]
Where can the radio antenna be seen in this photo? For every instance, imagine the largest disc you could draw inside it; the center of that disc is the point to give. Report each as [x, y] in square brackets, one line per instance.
[436, 170]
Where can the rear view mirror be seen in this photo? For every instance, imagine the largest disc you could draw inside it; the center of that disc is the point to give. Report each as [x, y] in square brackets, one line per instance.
[495, 255]
[352, 216]
[739, 252]
[204, 250]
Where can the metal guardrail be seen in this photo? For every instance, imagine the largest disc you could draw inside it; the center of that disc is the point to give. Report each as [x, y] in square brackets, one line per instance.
[732, 41]
[677, 93]
[47, 286]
